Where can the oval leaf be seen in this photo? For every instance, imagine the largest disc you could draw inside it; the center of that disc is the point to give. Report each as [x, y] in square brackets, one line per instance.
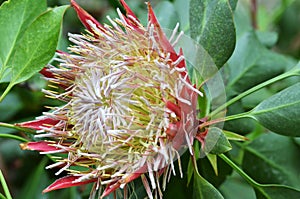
[252, 63]
[281, 112]
[15, 17]
[216, 142]
[212, 26]
[36, 47]
[276, 160]
[204, 190]
[277, 192]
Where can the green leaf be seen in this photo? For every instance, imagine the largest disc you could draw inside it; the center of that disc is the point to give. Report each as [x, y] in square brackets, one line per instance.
[252, 100]
[237, 185]
[36, 47]
[281, 112]
[4, 186]
[268, 39]
[193, 161]
[242, 125]
[33, 187]
[204, 190]
[252, 63]
[182, 8]
[277, 192]
[233, 4]
[208, 171]
[166, 14]
[276, 160]
[212, 26]
[212, 158]
[178, 187]
[297, 141]
[15, 17]
[2, 196]
[242, 19]
[234, 136]
[190, 170]
[269, 191]
[216, 142]
[234, 184]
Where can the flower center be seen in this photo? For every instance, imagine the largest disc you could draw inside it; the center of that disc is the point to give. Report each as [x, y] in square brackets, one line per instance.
[118, 110]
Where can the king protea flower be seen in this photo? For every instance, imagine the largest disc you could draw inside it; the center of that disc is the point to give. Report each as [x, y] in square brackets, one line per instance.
[130, 107]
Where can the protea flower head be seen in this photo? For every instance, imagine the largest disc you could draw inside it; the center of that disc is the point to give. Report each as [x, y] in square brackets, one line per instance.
[129, 106]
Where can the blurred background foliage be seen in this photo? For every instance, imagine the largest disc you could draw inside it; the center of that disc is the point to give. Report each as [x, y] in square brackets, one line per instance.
[278, 25]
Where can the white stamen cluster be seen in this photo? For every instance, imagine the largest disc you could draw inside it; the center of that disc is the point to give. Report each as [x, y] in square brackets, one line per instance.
[115, 120]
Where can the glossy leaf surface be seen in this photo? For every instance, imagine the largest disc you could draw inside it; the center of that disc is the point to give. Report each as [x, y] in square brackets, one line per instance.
[211, 24]
[281, 112]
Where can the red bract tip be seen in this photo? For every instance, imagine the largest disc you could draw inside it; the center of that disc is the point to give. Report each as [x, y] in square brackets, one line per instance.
[127, 9]
[132, 21]
[42, 146]
[39, 124]
[66, 182]
[110, 188]
[161, 36]
[46, 73]
[62, 52]
[85, 17]
[114, 186]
